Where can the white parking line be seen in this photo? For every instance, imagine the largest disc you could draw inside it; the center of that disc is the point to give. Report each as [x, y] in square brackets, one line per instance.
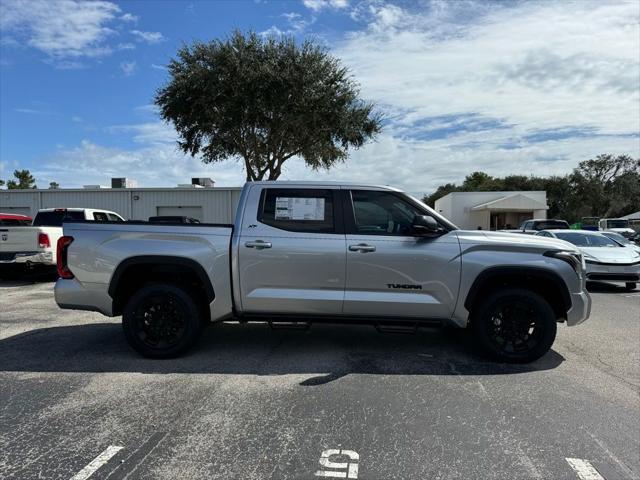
[96, 463]
[584, 469]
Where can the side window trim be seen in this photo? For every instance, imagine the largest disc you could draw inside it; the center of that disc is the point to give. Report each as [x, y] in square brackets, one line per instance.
[338, 220]
[350, 218]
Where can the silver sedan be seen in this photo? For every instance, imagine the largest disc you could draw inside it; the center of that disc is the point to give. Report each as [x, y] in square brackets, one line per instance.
[605, 259]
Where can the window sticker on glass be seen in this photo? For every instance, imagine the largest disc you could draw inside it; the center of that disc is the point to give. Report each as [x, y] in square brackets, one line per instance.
[292, 208]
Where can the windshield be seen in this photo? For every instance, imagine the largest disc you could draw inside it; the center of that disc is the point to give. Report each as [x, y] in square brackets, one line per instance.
[617, 223]
[586, 240]
[55, 218]
[617, 237]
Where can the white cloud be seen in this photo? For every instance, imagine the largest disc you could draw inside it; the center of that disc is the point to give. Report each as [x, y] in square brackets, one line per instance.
[148, 37]
[297, 24]
[31, 111]
[151, 165]
[272, 31]
[128, 17]
[158, 67]
[150, 133]
[541, 65]
[526, 88]
[60, 28]
[317, 5]
[128, 68]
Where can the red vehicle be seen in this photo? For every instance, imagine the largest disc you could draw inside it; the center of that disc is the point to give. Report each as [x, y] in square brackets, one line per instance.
[14, 220]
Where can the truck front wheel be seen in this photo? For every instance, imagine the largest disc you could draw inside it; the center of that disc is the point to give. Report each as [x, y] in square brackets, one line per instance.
[514, 325]
[161, 321]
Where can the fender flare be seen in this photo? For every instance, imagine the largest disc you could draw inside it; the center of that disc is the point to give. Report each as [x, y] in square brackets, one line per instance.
[538, 273]
[161, 260]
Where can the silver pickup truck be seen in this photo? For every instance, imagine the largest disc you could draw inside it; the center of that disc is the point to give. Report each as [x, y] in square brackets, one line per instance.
[323, 252]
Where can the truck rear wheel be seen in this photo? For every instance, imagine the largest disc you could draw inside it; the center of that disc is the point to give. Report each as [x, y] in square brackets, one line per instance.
[161, 321]
[514, 325]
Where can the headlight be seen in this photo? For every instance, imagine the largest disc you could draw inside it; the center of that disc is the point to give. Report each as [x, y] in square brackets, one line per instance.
[576, 260]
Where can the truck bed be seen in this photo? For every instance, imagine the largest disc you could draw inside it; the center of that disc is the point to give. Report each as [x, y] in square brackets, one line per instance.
[99, 248]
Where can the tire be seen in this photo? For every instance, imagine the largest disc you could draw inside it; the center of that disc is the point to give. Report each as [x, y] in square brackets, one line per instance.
[630, 286]
[161, 321]
[498, 327]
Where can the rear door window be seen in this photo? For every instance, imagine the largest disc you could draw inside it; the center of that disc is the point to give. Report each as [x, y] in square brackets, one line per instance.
[114, 218]
[100, 217]
[298, 210]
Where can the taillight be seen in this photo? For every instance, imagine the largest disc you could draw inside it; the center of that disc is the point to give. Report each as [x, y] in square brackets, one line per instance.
[63, 246]
[43, 240]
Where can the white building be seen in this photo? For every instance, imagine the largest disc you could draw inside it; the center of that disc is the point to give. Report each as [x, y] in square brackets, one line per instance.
[206, 203]
[492, 210]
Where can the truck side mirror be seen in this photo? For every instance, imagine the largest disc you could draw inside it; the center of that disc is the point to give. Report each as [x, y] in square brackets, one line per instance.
[425, 225]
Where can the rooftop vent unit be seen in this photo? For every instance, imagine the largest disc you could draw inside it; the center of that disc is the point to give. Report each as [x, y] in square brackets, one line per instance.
[92, 187]
[203, 182]
[189, 185]
[122, 183]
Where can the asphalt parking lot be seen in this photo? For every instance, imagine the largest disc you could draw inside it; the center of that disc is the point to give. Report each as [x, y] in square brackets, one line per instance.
[256, 403]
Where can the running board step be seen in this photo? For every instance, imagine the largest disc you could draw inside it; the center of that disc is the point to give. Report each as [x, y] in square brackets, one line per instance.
[400, 327]
[283, 325]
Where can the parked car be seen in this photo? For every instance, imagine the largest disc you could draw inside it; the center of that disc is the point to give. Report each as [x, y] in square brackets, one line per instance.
[619, 225]
[323, 252]
[605, 258]
[590, 223]
[14, 220]
[535, 225]
[622, 240]
[36, 244]
[173, 219]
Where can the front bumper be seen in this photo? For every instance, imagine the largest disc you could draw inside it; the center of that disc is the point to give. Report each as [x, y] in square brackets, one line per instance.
[45, 258]
[580, 308]
[613, 272]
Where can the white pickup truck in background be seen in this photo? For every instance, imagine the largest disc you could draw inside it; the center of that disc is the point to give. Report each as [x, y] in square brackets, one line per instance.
[36, 245]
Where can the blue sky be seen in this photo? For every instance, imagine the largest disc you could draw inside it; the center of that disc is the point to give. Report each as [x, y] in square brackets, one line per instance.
[505, 87]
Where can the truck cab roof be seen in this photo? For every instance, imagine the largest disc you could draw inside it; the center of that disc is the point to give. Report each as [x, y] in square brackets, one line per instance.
[329, 184]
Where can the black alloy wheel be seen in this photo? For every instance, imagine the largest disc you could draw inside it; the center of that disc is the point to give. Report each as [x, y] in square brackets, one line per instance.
[514, 325]
[161, 321]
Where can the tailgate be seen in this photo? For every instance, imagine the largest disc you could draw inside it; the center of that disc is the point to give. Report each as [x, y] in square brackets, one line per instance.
[18, 239]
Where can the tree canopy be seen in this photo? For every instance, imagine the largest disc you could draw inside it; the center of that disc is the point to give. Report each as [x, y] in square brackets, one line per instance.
[265, 100]
[22, 179]
[605, 186]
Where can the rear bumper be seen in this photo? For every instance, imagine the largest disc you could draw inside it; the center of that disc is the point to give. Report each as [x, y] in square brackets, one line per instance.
[45, 258]
[73, 295]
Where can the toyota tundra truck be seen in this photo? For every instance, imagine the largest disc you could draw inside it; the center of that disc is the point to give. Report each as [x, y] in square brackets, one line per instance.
[323, 252]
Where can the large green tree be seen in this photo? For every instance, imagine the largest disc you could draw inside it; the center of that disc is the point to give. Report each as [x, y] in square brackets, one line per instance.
[265, 100]
[23, 179]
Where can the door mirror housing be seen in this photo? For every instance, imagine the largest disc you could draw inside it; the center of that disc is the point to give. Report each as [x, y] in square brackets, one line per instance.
[425, 225]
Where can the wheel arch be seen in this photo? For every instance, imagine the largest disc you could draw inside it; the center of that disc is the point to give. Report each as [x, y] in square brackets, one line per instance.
[543, 281]
[133, 272]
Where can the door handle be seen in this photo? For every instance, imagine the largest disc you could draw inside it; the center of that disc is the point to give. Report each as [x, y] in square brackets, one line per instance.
[362, 247]
[258, 244]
